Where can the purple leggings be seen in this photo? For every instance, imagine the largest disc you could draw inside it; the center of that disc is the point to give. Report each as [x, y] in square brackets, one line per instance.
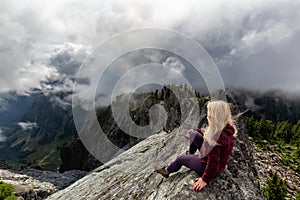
[191, 161]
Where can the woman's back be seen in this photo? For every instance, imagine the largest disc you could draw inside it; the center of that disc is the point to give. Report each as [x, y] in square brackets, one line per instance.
[217, 159]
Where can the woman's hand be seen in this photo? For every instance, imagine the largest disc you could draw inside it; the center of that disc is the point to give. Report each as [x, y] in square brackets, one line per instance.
[199, 184]
[189, 132]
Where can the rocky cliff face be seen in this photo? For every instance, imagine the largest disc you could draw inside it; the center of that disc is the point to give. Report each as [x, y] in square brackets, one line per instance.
[75, 156]
[32, 184]
[131, 174]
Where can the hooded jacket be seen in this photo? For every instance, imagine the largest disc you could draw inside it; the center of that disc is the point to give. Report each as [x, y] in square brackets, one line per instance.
[216, 160]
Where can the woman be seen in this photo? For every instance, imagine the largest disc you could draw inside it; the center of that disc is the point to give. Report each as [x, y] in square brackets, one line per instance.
[215, 146]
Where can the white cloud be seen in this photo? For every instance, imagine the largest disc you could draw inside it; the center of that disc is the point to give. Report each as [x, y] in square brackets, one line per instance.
[255, 43]
[27, 125]
[2, 137]
[3, 104]
[175, 64]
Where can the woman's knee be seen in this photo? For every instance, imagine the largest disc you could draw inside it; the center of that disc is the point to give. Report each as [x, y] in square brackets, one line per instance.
[181, 159]
[195, 135]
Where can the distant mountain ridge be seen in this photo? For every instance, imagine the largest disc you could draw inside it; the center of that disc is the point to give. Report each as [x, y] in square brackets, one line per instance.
[274, 105]
[40, 146]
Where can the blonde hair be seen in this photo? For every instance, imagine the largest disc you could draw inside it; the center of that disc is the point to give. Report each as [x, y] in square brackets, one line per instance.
[218, 116]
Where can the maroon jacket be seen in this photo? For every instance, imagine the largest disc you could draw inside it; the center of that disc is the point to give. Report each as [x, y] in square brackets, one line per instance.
[216, 160]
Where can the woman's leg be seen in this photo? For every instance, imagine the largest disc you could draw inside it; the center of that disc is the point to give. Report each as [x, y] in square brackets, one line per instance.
[190, 161]
[196, 140]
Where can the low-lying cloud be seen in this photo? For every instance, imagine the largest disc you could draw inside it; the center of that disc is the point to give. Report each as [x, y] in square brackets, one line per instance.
[27, 125]
[2, 137]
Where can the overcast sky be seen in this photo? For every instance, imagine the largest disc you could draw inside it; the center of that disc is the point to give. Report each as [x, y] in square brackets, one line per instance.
[255, 44]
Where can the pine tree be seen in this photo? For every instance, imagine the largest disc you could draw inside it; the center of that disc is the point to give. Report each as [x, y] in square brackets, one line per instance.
[276, 188]
[156, 94]
[284, 131]
[162, 93]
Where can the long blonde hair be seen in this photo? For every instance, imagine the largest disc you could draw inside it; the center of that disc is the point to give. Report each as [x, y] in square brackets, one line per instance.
[218, 116]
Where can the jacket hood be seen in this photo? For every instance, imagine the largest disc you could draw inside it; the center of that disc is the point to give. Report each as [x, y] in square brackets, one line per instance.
[229, 130]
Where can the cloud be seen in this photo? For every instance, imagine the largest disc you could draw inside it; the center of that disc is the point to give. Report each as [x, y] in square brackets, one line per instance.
[20, 68]
[30, 32]
[142, 71]
[175, 64]
[27, 125]
[2, 137]
[67, 58]
[3, 105]
[264, 57]
[255, 44]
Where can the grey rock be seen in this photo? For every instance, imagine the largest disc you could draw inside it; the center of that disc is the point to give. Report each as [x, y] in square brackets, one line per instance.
[60, 180]
[274, 147]
[32, 184]
[268, 163]
[26, 186]
[131, 175]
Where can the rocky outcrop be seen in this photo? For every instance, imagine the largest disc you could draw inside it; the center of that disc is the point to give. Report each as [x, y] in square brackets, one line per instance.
[131, 174]
[75, 156]
[32, 184]
[267, 163]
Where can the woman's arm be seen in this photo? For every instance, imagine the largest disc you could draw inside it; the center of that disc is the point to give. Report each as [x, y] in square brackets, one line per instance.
[199, 184]
[213, 163]
[211, 169]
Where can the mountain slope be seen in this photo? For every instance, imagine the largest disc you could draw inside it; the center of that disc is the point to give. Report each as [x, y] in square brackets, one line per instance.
[46, 127]
[131, 174]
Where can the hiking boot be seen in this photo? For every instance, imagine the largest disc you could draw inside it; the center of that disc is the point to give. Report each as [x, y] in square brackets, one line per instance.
[162, 171]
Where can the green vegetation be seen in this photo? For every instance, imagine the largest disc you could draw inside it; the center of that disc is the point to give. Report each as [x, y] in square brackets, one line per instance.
[283, 134]
[6, 191]
[276, 188]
